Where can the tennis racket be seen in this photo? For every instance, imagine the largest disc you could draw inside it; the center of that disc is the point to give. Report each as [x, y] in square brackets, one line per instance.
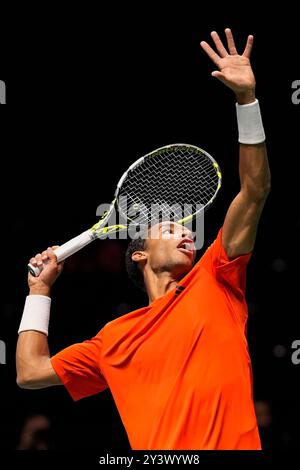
[175, 175]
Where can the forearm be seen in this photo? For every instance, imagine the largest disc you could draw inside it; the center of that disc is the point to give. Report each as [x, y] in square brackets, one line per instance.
[32, 355]
[32, 358]
[34, 369]
[241, 221]
[254, 168]
[255, 177]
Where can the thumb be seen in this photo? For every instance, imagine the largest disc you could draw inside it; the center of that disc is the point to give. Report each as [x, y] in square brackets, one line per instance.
[218, 74]
[51, 254]
[53, 258]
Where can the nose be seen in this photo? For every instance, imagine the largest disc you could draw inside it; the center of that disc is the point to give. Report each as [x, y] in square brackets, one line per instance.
[188, 235]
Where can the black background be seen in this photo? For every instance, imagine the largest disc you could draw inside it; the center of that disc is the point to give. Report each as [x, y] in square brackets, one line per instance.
[88, 92]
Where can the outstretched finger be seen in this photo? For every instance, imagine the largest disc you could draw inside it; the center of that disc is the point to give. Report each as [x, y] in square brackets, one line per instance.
[248, 47]
[230, 41]
[210, 52]
[218, 43]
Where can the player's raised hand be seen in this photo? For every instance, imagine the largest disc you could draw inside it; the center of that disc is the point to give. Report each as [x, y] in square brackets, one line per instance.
[50, 270]
[235, 70]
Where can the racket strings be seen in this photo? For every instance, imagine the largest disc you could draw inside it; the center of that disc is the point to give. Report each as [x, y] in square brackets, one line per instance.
[170, 183]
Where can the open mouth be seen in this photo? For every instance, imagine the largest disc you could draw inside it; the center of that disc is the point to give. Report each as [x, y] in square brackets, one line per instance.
[186, 246]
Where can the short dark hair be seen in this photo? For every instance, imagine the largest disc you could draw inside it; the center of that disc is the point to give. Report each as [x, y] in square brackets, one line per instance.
[132, 267]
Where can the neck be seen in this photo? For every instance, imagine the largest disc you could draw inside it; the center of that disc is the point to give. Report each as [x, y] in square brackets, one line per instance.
[159, 284]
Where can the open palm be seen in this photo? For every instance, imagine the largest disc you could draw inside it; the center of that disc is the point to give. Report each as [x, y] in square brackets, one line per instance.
[234, 70]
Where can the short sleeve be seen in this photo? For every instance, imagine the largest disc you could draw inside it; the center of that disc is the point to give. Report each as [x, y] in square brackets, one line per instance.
[78, 367]
[231, 273]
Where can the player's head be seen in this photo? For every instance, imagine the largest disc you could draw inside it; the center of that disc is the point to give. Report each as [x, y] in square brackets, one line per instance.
[168, 248]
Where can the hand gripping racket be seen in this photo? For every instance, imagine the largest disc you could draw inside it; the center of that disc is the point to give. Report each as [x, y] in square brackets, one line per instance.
[177, 174]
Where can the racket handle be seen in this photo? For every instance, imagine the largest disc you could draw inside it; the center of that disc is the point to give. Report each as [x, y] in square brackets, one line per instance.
[34, 270]
[66, 250]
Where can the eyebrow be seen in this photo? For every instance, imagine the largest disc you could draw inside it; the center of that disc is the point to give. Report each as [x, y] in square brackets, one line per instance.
[169, 224]
[166, 224]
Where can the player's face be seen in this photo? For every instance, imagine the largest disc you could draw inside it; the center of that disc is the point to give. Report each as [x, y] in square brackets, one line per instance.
[170, 247]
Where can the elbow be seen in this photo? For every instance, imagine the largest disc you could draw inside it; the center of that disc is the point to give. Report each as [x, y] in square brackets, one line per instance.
[25, 381]
[267, 186]
[259, 193]
[265, 191]
[22, 382]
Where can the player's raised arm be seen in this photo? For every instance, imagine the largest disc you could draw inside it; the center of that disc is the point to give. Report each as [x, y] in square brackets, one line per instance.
[34, 369]
[235, 71]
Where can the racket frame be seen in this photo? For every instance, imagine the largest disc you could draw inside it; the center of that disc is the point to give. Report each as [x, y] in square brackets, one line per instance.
[101, 230]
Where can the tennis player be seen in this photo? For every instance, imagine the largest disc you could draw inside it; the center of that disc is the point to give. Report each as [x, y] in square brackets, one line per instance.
[179, 369]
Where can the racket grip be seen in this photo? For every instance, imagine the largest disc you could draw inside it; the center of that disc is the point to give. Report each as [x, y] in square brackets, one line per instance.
[34, 270]
[66, 250]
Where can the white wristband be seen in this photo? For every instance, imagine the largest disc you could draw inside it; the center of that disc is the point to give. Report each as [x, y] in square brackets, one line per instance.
[250, 126]
[36, 314]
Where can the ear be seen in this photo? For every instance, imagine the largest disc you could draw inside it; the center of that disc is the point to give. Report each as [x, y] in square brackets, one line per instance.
[139, 256]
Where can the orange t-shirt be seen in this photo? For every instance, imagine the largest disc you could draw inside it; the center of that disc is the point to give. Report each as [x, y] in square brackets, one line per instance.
[179, 369]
